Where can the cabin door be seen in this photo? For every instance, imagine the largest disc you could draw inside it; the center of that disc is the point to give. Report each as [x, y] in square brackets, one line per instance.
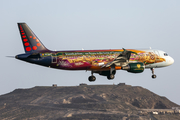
[156, 52]
[54, 58]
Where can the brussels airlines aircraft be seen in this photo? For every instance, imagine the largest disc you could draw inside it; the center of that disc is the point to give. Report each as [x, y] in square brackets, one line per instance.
[103, 62]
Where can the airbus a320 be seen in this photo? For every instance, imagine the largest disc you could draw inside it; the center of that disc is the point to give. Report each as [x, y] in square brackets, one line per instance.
[102, 62]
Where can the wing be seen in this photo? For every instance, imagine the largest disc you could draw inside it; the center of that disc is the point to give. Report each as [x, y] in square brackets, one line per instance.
[121, 60]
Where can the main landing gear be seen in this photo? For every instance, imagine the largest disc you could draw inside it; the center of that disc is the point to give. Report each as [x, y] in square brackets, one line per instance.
[153, 75]
[111, 76]
[92, 78]
[112, 73]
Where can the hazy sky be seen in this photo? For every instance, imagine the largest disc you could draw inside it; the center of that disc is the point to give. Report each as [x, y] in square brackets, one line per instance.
[91, 24]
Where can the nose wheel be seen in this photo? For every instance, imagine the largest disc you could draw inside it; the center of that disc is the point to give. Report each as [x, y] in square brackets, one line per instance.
[153, 75]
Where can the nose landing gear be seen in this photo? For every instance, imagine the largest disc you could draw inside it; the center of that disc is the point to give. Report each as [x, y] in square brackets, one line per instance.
[153, 75]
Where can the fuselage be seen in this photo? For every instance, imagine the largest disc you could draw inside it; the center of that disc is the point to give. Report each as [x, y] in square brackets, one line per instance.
[95, 59]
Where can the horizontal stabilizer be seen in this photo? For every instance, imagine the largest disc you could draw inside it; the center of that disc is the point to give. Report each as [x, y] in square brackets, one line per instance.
[10, 56]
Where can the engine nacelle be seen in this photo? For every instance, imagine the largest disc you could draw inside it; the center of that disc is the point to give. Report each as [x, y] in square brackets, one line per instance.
[134, 67]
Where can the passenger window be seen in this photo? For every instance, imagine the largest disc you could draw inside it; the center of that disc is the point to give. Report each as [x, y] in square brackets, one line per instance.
[165, 54]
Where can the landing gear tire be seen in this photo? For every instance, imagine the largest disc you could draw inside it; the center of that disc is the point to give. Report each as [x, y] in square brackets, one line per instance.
[92, 78]
[110, 77]
[154, 76]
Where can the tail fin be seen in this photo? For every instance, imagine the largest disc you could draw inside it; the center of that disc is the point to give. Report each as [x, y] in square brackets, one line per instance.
[30, 41]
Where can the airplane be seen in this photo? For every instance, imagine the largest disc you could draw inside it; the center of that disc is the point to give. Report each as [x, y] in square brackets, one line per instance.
[102, 62]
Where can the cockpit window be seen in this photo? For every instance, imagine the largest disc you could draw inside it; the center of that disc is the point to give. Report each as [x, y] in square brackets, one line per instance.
[165, 54]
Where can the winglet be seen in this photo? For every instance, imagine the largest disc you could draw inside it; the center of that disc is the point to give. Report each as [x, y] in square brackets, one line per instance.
[124, 49]
[130, 51]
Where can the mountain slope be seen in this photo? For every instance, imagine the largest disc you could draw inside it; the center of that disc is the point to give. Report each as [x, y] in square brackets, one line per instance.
[80, 102]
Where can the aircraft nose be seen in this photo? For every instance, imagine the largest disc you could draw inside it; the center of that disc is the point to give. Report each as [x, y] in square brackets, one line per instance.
[171, 61]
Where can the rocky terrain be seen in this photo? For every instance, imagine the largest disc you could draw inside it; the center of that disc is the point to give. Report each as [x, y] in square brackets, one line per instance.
[84, 102]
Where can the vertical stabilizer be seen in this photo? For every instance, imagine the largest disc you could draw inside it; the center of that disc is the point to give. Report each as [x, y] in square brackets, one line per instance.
[30, 41]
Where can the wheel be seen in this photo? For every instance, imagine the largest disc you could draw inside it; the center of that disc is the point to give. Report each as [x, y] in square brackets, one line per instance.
[92, 78]
[111, 76]
[153, 76]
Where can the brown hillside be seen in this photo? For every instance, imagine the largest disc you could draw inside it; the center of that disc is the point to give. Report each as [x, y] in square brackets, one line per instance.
[86, 101]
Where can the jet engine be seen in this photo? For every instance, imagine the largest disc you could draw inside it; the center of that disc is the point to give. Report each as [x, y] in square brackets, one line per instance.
[134, 67]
